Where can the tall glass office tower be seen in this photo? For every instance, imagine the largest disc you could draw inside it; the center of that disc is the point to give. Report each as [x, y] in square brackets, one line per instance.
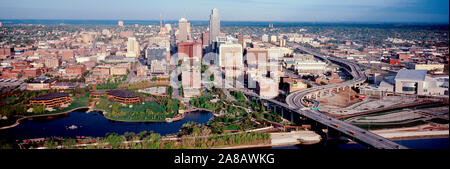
[214, 25]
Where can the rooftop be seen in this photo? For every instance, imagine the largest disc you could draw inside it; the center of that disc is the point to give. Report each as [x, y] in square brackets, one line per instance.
[50, 96]
[122, 93]
[43, 80]
[414, 75]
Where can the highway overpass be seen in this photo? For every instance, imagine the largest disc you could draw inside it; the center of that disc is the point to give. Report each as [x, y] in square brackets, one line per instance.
[296, 100]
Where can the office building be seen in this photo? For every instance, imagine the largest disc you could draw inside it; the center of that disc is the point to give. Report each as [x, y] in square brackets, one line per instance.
[190, 50]
[214, 25]
[123, 96]
[231, 59]
[51, 100]
[191, 82]
[183, 30]
[133, 49]
[265, 38]
[205, 39]
[410, 82]
[157, 60]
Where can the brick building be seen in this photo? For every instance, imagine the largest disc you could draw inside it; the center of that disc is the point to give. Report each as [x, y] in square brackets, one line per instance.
[75, 70]
[31, 72]
[11, 74]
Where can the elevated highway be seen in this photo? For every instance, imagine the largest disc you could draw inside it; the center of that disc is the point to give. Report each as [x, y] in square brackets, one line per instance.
[296, 102]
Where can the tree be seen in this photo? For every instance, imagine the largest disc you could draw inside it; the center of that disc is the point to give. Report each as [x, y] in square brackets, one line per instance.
[28, 80]
[85, 73]
[69, 143]
[115, 140]
[50, 144]
[170, 91]
[152, 141]
[115, 107]
[38, 109]
[169, 107]
[181, 91]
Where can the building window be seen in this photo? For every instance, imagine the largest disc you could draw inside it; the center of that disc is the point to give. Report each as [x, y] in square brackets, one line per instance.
[409, 89]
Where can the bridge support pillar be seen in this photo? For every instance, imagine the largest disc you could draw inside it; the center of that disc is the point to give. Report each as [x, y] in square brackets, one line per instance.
[292, 116]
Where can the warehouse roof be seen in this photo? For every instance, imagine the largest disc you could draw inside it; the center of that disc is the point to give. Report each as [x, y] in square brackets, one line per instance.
[412, 75]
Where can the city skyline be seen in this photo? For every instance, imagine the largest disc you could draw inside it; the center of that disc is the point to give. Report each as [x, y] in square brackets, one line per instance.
[417, 11]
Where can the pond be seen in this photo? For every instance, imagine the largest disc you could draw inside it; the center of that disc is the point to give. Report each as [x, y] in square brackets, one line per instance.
[93, 124]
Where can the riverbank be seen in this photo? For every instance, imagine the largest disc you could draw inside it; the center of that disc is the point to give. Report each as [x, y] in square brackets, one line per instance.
[245, 146]
[294, 138]
[422, 131]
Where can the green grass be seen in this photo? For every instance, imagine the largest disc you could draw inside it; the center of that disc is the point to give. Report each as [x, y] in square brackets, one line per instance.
[76, 103]
[232, 127]
[153, 106]
[138, 112]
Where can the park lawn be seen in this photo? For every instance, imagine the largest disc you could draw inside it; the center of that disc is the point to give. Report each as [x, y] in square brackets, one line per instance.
[153, 106]
[138, 112]
[232, 127]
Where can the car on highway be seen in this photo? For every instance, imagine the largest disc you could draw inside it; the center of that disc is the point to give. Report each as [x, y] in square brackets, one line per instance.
[351, 132]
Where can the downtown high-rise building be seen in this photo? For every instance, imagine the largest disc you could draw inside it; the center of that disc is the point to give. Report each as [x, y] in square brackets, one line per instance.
[183, 30]
[214, 25]
[133, 48]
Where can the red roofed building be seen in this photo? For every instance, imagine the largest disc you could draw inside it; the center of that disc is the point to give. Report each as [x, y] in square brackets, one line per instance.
[394, 61]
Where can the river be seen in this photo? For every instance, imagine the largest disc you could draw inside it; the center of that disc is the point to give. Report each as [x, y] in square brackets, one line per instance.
[93, 124]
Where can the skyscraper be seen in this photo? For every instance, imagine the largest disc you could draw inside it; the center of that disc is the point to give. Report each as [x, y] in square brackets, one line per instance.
[214, 25]
[183, 27]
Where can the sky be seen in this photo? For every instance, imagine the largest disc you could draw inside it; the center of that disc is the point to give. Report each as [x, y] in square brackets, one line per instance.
[418, 11]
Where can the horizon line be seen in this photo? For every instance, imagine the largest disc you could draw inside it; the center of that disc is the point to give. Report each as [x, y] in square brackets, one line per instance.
[366, 22]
